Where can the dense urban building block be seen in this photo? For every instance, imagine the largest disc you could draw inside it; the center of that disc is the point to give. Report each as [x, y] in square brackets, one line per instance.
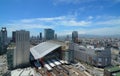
[3, 65]
[99, 57]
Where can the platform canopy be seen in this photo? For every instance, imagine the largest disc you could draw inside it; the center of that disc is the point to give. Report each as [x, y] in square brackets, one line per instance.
[43, 49]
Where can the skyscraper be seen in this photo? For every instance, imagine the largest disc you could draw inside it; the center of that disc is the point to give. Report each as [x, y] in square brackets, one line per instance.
[4, 36]
[75, 36]
[22, 47]
[49, 34]
[3, 40]
[40, 36]
[13, 36]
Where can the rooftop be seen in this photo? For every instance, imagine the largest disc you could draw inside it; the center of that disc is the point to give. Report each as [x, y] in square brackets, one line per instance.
[44, 48]
[112, 69]
[22, 72]
[116, 74]
[91, 50]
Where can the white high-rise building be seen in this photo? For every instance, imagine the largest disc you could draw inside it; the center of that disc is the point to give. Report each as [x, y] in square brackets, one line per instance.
[22, 52]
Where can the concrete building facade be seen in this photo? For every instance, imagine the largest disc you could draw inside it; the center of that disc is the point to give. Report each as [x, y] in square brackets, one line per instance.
[99, 57]
[22, 51]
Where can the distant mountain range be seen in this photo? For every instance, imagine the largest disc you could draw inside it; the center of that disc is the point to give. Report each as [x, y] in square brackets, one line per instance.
[91, 36]
[99, 36]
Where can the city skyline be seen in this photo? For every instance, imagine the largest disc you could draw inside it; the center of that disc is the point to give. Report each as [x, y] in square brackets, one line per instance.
[101, 17]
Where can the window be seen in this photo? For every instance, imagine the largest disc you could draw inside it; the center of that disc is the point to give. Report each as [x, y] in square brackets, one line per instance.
[99, 59]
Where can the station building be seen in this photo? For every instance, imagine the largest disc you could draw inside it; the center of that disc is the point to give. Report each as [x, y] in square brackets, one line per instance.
[50, 51]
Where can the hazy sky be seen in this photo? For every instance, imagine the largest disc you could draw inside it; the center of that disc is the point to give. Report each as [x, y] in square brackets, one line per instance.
[99, 17]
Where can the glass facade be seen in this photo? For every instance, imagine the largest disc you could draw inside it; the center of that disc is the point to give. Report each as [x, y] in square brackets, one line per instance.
[49, 34]
[75, 36]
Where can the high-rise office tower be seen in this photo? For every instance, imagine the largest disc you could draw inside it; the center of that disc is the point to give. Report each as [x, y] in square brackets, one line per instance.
[55, 36]
[22, 47]
[4, 41]
[67, 38]
[4, 35]
[49, 34]
[40, 36]
[75, 36]
[13, 36]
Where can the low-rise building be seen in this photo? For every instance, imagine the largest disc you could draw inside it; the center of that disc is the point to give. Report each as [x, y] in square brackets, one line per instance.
[3, 65]
[23, 72]
[112, 71]
[99, 57]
